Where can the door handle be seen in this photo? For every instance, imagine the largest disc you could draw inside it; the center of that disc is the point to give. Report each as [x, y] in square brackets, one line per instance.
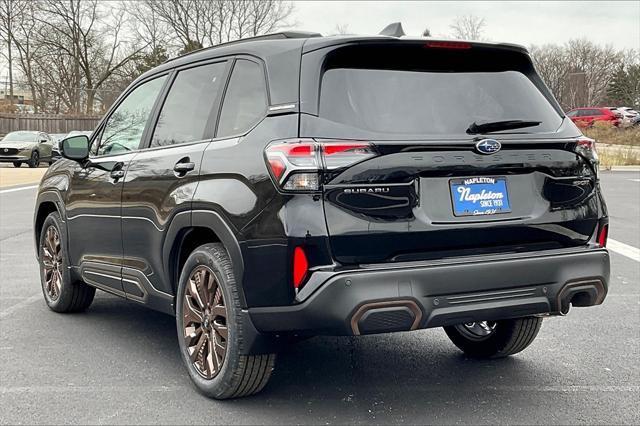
[183, 168]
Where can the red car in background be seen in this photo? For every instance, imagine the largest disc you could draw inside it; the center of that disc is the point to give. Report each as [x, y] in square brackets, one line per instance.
[587, 116]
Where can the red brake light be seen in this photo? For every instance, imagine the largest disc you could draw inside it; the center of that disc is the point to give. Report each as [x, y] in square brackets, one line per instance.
[448, 45]
[336, 148]
[300, 266]
[603, 234]
[344, 154]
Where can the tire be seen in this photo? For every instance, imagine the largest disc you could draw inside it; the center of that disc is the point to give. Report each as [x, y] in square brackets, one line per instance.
[68, 296]
[507, 337]
[17, 164]
[209, 269]
[34, 161]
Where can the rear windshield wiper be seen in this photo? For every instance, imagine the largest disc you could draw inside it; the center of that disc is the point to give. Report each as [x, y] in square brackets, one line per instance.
[494, 126]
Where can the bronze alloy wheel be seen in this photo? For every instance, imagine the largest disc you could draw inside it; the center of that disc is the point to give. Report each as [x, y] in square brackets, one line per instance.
[205, 322]
[52, 262]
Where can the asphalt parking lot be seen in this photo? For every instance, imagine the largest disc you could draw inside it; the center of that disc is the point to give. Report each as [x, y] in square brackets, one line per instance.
[119, 362]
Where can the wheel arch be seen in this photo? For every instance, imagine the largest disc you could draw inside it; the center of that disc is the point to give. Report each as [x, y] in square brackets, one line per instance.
[187, 233]
[48, 202]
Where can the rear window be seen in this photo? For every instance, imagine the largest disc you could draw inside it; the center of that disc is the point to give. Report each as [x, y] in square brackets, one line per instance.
[432, 102]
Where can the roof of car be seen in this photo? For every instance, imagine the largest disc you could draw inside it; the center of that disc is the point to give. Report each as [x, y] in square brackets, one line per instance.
[281, 54]
[274, 45]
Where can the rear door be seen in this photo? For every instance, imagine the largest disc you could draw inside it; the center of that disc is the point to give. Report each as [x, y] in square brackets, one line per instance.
[161, 179]
[436, 187]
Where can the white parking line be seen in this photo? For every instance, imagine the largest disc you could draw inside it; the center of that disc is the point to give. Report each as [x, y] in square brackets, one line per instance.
[634, 180]
[624, 249]
[22, 188]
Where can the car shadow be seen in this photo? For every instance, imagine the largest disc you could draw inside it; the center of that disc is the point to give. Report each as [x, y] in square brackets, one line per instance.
[331, 378]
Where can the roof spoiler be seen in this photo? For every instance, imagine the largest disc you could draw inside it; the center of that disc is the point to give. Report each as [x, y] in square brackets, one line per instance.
[393, 30]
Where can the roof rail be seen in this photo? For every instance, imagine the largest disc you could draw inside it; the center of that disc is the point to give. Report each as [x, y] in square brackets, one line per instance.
[272, 36]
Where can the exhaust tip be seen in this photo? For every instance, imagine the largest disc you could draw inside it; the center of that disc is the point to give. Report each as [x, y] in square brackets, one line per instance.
[581, 293]
[385, 317]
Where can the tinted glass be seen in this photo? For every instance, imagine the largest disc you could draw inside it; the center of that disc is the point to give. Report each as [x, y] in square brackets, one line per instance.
[245, 102]
[124, 128]
[189, 105]
[572, 113]
[425, 102]
[595, 112]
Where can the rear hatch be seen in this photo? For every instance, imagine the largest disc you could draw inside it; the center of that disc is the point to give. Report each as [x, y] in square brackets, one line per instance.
[466, 152]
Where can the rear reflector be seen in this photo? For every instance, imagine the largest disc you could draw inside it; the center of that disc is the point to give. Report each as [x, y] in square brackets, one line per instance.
[448, 45]
[603, 234]
[300, 266]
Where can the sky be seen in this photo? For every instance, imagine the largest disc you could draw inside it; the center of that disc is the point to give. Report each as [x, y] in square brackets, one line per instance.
[521, 22]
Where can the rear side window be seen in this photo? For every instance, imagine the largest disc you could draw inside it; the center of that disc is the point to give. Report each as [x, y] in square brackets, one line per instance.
[572, 113]
[245, 101]
[426, 102]
[189, 105]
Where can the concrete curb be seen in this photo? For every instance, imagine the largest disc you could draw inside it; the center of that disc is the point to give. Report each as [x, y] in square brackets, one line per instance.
[624, 169]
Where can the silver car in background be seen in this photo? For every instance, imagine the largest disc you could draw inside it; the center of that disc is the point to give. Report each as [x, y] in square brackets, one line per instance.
[30, 147]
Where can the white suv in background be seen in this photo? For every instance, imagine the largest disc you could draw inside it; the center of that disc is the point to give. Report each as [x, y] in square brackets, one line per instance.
[628, 114]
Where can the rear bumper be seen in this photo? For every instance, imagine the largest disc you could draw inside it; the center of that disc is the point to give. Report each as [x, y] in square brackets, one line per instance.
[398, 297]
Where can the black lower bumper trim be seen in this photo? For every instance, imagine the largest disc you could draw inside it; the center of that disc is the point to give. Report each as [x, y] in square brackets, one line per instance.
[443, 294]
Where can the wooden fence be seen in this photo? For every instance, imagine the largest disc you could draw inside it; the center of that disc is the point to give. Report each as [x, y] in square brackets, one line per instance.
[49, 123]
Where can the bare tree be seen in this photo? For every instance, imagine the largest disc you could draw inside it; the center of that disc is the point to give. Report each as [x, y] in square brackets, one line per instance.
[468, 27]
[579, 72]
[90, 35]
[24, 36]
[202, 23]
[341, 29]
[10, 15]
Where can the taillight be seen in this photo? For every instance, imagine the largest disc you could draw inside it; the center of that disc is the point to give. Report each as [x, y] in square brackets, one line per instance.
[603, 234]
[296, 164]
[587, 148]
[300, 266]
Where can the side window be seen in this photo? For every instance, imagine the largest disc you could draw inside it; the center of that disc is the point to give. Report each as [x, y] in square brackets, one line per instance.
[583, 113]
[189, 105]
[572, 113]
[597, 112]
[124, 127]
[245, 101]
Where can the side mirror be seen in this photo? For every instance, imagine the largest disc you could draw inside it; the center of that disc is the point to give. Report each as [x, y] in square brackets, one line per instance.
[43, 141]
[75, 148]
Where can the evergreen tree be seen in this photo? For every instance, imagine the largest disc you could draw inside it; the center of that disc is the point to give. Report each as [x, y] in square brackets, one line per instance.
[624, 89]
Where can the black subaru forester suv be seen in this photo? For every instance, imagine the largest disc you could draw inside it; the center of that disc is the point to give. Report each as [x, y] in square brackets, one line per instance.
[294, 185]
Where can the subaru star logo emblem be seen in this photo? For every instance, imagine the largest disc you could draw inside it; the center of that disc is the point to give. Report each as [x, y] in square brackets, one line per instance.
[488, 146]
[6, 150]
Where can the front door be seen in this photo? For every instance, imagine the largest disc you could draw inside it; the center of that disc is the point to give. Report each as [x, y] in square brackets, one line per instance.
[161, 181]
[94, 198]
